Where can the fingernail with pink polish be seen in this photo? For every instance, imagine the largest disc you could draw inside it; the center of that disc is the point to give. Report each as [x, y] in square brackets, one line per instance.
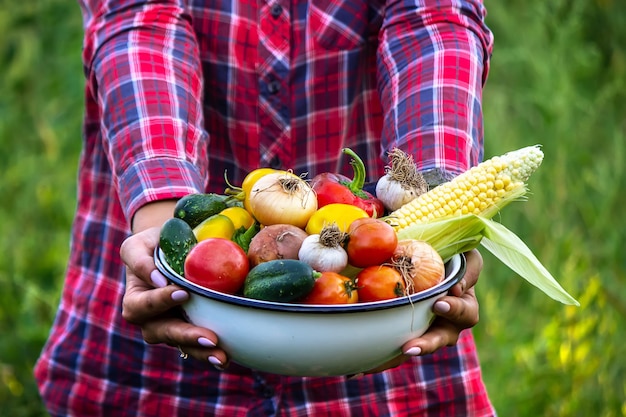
[441, 307]
[216, 363]
[414, 351]
[203, 341]
[158, 279]
[179, 295]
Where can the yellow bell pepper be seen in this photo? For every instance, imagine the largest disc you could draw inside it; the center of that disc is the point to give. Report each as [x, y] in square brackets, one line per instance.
[341, 214]
[239, 216]
[249, 181]
[217, 225]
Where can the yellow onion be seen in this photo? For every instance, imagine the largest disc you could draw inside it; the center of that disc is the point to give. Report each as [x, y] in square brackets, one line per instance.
[282, 198]
[419, 263]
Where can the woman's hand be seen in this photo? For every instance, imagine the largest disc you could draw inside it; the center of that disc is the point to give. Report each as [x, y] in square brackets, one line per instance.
[150, 302]
[455, 312]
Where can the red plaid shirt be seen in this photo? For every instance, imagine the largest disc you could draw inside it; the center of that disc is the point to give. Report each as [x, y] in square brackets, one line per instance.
[178, 91]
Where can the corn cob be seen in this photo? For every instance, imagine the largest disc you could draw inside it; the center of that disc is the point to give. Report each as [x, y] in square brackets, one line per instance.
[482, 190]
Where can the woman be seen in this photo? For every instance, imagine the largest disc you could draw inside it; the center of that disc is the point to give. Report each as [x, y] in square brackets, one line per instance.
[180, 91]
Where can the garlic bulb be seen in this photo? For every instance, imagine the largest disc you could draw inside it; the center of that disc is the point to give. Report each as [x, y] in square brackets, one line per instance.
[324, 251]
[401, 183]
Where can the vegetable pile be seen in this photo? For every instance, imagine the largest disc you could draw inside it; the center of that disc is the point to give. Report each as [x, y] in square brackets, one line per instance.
[282, 237]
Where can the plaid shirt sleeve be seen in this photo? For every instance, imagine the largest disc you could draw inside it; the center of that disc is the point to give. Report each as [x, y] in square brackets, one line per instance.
[142, 61]
[433, 61]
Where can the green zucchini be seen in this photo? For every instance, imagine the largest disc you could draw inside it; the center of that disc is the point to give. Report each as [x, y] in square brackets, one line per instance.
[176, 240]
[195, 208]
[282, 280]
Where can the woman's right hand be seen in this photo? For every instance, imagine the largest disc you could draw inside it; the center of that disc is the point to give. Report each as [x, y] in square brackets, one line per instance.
[151, 303]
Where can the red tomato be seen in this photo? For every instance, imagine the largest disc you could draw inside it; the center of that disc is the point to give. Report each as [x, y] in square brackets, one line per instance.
[379, 282]
[217, 263]
[332, 288]
[371, 242]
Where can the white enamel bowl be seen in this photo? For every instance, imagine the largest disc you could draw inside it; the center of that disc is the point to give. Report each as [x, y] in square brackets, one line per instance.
[312, 340]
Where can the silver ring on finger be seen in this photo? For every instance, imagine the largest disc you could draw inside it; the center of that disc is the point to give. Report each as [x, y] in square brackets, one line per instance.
[182, 354]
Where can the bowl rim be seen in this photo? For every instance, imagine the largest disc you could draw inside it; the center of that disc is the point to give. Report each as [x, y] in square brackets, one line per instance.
[455, 270]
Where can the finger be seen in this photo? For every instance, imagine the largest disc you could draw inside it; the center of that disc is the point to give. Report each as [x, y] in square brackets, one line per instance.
[463, 310]
[459, 289]
[137, 253]
[141, 302]
[474, 266]
[441, 333]
[194, 341]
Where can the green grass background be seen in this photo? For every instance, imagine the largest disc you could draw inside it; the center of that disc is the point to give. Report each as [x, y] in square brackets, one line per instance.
[558, 78]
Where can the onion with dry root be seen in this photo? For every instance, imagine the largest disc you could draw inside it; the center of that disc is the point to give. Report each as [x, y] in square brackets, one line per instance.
[282, 198]
[401, 183]
[419, 264]
[277, 241]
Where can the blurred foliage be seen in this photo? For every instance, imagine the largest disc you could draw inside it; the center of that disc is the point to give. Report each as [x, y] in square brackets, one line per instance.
[557, 78]
[40, 117]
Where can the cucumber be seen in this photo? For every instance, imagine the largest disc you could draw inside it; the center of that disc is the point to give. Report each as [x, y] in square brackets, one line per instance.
[195, 208]
[176, 240]
[282, 280]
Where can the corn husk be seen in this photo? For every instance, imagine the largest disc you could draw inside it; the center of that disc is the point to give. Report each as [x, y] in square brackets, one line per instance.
[458, 234]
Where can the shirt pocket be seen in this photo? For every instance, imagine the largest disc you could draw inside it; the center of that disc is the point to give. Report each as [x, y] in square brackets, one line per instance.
[338, 24]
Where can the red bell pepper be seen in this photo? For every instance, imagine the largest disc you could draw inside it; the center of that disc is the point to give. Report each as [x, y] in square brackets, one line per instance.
[337, 188]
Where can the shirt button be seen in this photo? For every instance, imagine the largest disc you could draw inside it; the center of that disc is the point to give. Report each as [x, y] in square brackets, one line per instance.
[268, 392]
[273, 87]
[275, 163]
[276, 11]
